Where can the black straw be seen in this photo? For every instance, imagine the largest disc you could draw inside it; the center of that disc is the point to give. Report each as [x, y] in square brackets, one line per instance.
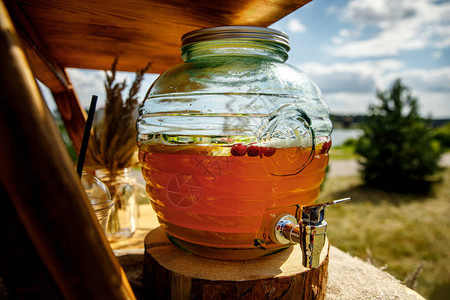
[86, 134]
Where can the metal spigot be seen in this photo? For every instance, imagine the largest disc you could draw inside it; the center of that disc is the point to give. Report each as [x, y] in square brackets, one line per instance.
[310, 233]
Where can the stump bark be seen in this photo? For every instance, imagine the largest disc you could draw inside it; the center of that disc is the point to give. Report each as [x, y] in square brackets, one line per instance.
[172, 273]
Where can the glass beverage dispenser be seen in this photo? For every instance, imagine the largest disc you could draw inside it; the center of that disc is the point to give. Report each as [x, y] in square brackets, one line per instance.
[231, 140]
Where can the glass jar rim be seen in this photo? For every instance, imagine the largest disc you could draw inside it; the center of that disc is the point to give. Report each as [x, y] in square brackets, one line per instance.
[233, 32]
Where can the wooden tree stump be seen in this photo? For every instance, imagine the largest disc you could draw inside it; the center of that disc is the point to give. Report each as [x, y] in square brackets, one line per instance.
[172, 273]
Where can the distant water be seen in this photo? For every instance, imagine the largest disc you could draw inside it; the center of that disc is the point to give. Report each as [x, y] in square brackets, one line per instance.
[339, 136]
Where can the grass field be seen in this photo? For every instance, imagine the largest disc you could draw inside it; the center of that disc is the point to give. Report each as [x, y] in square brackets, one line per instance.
[343, 152]
[403, 234]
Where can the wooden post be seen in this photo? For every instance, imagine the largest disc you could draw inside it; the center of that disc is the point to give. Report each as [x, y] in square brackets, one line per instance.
[42, 194]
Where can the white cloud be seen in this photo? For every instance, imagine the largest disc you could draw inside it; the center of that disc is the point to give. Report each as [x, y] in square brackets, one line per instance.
[344, 35]
[437, 54]
[436, 105]
[350, 77]
[90, 82]
[433, 80]
[393, 26]
[380, 12]
[332, 9]
[295, 25]
[443, 34]
[351, 87]
[348, 103]
[87, 83]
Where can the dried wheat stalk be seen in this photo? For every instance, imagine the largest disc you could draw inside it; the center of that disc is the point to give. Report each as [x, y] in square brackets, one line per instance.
[113, 140]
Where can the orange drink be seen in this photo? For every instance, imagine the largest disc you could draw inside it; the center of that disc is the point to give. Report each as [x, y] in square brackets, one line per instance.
[221, 196]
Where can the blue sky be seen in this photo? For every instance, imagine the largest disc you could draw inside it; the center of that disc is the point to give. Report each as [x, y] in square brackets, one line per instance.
[352, 47]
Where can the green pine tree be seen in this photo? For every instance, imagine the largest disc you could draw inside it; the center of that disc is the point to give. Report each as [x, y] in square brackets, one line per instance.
[398, 150]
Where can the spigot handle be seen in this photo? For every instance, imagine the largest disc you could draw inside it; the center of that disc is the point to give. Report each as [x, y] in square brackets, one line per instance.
[324, 204]
[315, 213]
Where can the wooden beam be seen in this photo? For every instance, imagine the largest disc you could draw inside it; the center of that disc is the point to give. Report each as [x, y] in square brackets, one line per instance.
[39, 185]
[41, 61]
[72, 114]
[46, 69]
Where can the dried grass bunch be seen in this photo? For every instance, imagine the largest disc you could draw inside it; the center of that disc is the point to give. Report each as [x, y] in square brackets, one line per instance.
[112, 143]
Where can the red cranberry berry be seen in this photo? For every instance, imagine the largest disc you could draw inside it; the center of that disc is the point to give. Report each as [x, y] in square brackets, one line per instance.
[238, 150]
[253, 150]
[326, 147]
[268, 151]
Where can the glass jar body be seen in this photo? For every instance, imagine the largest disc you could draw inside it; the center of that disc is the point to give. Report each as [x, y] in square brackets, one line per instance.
[123, 219]
[228, 139]
[100, 198]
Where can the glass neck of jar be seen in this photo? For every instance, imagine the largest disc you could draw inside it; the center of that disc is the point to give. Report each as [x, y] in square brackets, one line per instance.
[235, 47]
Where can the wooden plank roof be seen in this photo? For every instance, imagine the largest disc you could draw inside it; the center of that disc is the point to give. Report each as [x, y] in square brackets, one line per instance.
[90, 34]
